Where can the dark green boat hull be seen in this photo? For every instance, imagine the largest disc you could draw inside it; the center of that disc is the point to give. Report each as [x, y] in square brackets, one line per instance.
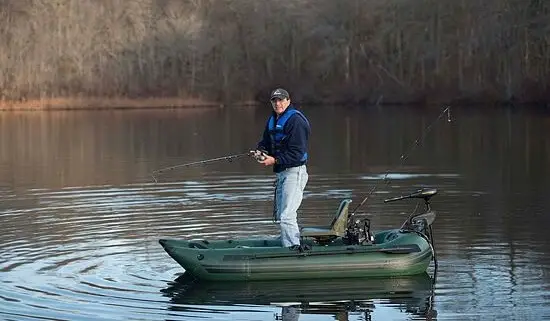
[394, 253]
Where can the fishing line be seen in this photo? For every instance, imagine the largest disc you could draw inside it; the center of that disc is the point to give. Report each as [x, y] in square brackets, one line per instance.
[405, 156]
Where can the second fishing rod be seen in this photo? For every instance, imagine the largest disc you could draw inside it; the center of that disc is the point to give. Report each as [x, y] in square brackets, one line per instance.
[417, 142]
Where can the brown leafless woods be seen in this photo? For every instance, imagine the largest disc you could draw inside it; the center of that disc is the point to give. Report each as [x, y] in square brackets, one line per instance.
[346, 51]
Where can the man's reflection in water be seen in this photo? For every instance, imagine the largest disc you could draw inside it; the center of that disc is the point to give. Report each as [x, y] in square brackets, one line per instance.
[290, 313]
[344, 316]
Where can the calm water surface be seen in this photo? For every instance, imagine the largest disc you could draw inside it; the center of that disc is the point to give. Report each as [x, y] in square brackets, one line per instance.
[81, 216]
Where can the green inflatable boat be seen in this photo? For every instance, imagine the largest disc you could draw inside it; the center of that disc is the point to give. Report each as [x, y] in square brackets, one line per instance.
[345, 249]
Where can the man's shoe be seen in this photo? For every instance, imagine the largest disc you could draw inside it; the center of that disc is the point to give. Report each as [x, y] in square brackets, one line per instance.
[300, 247]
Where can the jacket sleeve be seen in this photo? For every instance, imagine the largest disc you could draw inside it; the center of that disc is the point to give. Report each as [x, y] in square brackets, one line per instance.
[297, 130]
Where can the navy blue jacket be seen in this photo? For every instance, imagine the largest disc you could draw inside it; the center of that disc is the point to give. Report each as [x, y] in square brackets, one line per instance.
[293, 147]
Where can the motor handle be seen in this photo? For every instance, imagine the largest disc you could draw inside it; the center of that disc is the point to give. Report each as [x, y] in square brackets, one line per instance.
[426, 194]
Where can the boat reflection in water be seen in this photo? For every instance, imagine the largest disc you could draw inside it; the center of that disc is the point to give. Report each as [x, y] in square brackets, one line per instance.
[412, 295]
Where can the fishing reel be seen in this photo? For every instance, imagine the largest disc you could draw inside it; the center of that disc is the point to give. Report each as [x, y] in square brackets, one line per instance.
[358, 232]
[258, 155]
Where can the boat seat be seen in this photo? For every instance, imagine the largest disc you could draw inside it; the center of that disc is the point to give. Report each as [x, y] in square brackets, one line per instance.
[336, 229]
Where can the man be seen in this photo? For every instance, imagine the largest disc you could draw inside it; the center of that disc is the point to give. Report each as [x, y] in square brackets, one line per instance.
[284, 146]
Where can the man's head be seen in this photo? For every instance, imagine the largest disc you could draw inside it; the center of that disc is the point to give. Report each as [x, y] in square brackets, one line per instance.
[280, 99]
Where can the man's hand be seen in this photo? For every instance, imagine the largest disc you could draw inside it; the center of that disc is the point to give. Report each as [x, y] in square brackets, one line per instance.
[268, 161]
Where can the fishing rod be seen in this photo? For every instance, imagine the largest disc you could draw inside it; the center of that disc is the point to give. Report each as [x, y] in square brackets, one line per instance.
[229, 158]
[405, 156]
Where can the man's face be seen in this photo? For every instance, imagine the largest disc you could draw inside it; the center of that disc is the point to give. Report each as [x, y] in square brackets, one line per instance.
[279, 105]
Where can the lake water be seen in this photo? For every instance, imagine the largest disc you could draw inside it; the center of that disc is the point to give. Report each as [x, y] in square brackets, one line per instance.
[81, 216]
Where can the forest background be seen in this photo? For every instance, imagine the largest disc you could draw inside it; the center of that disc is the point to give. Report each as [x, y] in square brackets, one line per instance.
[192, 52]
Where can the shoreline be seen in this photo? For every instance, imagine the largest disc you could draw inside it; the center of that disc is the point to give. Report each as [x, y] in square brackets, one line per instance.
[122, 103]
[110, 103]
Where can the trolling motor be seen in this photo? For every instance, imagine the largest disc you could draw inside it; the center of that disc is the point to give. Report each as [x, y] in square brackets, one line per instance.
[420, 223]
